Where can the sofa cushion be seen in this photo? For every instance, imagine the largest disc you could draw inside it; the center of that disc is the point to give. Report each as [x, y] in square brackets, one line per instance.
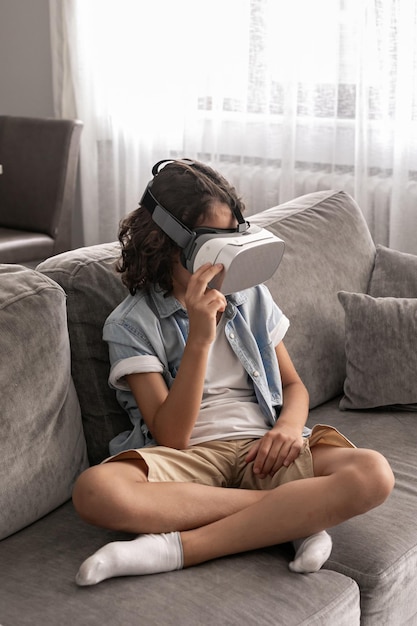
[93, 290]
[379, 549]
[42, 448]
[379, 372]
[381, 351]
[328, 248]
[394, 274]
[252, 588]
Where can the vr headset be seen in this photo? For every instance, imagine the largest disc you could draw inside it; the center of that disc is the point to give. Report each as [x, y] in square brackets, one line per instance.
[250, 254]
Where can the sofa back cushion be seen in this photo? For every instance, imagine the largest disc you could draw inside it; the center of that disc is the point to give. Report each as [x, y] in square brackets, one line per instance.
[328, 248]
[93, 290]
[42, 447]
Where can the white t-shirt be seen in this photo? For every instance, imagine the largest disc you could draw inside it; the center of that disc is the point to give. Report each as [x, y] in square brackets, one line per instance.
[229, 409]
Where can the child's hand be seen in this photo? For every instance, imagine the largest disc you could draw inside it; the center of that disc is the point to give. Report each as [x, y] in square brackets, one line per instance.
[278, 447]
[203, 304]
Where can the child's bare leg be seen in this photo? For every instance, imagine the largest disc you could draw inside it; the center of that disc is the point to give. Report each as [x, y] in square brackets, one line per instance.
[350, 482]
[347, 483]
[118, 496]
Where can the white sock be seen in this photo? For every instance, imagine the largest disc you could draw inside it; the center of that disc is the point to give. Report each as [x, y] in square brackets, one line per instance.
[147, 554]
[311, 553]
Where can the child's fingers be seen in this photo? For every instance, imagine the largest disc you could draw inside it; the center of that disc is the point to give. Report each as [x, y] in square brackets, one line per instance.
[207, 272]
[198, 286]
[251, 455]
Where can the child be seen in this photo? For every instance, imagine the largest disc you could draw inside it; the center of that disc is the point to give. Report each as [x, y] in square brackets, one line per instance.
[218, 461]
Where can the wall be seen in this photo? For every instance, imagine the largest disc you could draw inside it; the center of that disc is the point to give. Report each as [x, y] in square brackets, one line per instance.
[25, 58]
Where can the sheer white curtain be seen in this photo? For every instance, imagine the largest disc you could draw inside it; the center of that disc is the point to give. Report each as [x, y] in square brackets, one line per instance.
[282, 97]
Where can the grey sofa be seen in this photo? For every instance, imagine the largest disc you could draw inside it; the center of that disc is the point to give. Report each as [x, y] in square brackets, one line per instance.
[356, 352]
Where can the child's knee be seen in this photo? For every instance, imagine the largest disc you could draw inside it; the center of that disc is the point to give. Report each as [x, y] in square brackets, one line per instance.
[375, 477]
[103, 492]
[93, 491]
[84, 494]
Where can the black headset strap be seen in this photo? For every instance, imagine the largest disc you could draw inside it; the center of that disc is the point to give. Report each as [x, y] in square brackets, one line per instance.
[173, 227]
[156, 167]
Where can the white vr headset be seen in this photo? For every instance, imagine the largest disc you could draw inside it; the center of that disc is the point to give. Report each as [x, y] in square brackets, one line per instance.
[250, 254]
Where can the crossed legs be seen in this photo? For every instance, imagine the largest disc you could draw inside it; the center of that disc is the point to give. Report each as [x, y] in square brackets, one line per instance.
[200, 523]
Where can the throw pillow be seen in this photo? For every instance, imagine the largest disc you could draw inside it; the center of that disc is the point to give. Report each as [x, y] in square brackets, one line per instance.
[394, 274]
[381, 351]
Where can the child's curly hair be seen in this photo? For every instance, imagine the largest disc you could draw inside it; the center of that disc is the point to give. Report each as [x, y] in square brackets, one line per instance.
[188, 191]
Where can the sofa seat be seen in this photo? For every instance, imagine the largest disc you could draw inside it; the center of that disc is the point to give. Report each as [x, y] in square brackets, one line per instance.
[379, 549]
[37, 586]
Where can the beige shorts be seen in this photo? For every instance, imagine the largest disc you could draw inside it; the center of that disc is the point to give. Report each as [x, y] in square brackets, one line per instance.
[222, 463]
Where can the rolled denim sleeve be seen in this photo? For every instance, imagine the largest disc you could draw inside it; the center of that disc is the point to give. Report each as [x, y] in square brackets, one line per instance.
[129, 353]
[277, 322]
[279, 331]
[132, 365]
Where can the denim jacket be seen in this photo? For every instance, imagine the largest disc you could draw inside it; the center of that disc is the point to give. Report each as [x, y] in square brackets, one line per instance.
[155, 326]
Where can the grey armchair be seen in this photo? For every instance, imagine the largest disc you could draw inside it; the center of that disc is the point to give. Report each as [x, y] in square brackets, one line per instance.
[37, 187]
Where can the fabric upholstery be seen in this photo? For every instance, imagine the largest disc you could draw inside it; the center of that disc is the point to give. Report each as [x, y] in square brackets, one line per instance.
[380, 335]
[93, 290]
[42, 448]
[381, 351]
[254, 588]
[394, 274]
[379, 549]
[328, 248]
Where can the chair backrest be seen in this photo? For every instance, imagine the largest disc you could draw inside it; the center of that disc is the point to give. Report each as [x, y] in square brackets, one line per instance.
[37, 187]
